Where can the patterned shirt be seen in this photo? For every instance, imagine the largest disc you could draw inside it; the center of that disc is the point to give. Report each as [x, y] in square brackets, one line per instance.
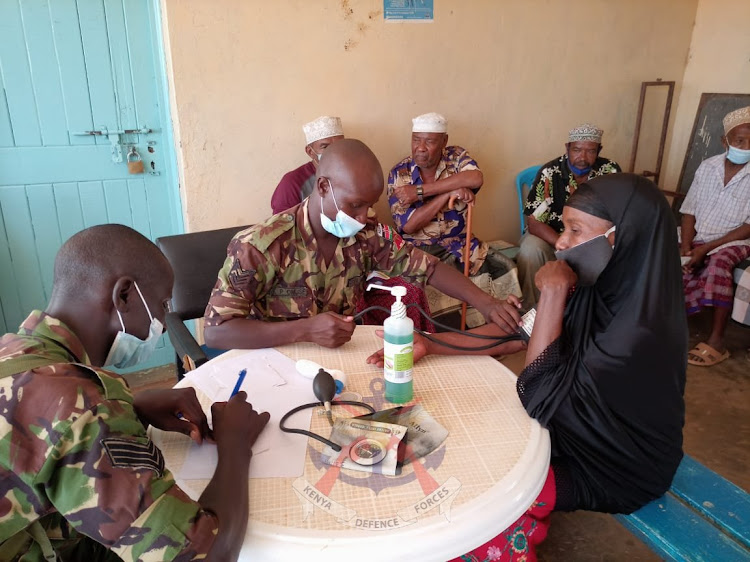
[554, 183]
[448, 227]
[717, 208]
[75, 457]
[275, 271]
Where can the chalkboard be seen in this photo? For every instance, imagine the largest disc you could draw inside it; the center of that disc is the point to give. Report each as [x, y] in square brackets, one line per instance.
[705, 140]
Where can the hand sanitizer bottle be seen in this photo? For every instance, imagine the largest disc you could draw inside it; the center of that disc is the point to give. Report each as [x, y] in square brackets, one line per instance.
[399, 349]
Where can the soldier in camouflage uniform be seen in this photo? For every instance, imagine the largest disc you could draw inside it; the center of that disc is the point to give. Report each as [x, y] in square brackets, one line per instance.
[79, 477]
[310, 264]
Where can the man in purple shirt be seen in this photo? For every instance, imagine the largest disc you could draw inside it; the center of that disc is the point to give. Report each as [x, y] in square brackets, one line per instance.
[298, 184]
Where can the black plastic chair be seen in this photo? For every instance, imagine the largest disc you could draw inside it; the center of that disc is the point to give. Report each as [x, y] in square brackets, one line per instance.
[196, 259]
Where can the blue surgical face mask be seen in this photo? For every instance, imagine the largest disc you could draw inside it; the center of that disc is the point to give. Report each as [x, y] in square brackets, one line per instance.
[737, 155]
[344, 226]
[578, 171]
[128, 350]
[589, 258]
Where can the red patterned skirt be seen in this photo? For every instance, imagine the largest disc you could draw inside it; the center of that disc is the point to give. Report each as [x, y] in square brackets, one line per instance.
[519, 541]
[712, 285]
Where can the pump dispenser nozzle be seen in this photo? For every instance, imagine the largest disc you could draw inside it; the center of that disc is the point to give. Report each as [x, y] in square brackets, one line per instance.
[398, 308]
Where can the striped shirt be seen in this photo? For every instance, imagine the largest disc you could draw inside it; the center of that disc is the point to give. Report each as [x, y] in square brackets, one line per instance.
[717, 208]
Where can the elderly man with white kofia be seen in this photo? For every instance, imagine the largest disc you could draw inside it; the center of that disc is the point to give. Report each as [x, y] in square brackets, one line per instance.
[715, 233]
[421, 188]
[298, 184]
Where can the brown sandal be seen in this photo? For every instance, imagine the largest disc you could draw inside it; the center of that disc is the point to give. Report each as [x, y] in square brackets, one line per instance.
[703, 355]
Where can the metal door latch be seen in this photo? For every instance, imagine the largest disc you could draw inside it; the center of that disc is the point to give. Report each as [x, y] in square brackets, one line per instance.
[114, 138]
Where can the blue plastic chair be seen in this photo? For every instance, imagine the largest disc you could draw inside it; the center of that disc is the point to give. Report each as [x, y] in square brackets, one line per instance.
[524, 179]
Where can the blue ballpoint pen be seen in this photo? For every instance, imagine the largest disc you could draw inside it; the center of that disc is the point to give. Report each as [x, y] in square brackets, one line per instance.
[240, 378]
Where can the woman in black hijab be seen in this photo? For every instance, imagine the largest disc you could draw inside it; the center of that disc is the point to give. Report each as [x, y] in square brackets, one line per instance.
[606, 368]
[606, 360]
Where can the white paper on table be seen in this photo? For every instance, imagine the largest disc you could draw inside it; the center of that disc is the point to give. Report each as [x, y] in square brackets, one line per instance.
[264, 369]
[272, 385]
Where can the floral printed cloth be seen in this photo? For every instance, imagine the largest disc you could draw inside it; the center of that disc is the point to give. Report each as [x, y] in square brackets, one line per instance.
[518, 542]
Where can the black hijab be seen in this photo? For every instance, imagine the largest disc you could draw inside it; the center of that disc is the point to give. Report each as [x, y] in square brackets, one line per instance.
[610, 389]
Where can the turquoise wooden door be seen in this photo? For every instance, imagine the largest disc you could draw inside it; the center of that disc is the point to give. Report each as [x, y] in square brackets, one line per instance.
[81, 84]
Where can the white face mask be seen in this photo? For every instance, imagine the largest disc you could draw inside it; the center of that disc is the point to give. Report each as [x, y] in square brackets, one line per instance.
[128, 350]
[344, 226]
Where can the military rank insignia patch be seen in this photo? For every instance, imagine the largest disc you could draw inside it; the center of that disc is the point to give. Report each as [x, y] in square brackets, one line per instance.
[240, 278]
[129, 453]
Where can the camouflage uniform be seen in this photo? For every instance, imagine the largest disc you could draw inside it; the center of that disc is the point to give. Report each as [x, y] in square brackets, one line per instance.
[274, 270]
[75, 457]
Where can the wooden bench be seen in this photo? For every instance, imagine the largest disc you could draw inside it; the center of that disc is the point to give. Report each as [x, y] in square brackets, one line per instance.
[701, 517]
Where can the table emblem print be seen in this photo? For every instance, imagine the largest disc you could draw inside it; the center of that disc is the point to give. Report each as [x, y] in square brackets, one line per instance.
[314, 496]
[481, 479]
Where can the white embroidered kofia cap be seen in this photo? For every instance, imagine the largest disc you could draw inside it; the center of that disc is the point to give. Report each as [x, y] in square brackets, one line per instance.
[322, 128]
[736, 118]
[429, 123]
[586, 132]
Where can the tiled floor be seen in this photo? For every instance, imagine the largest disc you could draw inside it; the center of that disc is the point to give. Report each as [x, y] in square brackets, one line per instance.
[717, 434]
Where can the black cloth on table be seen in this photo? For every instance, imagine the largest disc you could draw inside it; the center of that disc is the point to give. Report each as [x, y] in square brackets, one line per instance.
[610, 389]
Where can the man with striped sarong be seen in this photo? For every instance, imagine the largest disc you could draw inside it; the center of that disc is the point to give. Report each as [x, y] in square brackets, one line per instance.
[715, 233]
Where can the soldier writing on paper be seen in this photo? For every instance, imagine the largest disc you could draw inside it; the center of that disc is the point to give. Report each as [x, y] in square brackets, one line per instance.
[81, 480]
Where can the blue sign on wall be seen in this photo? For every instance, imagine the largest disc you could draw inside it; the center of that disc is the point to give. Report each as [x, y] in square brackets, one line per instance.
[396, 10]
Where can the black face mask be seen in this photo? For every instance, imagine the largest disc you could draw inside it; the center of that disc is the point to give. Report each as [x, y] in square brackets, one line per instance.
[589, 258]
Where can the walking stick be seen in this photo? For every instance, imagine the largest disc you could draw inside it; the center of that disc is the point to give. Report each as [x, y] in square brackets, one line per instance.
[467, 255]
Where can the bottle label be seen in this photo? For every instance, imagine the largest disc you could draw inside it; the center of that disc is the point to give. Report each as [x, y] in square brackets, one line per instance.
[399, 360]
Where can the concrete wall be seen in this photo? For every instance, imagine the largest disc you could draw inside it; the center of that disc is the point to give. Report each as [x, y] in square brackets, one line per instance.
[512, 77]
[719, 61]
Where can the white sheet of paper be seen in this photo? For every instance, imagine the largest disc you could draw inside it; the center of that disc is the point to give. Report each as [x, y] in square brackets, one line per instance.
[264, 368]
[272, 385]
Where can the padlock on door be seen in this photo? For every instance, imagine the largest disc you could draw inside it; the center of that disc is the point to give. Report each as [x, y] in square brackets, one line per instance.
[135, 163]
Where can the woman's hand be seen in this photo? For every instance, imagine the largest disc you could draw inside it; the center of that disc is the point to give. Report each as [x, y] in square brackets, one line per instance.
[420, 350]
[174, 409]
[555, 275]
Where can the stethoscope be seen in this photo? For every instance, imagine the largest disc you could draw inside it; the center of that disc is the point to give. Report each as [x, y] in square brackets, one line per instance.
[324, 388]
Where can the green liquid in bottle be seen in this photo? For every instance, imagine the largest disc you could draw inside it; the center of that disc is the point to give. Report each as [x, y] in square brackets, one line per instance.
[400, 392]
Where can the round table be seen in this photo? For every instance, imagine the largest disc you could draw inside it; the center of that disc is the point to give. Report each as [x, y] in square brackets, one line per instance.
[478, 482]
